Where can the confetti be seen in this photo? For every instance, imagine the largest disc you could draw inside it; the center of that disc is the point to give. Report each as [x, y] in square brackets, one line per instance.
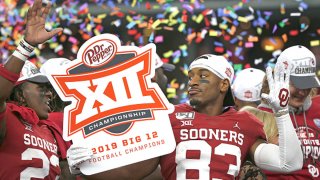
[269, 48]
[284, 37]
[214, 33]
[315, 43]
[219, 49]
[249, 44]
[295, 14]
[242, 19]
[303, 5]
[276, 53]
[258, 61]
[282, 8]
[158, 39]
[293, 32]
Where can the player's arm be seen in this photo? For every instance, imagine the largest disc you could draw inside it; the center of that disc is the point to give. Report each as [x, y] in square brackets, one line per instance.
[155, 175]
[78, 154]
[286, 157]
[250, 171]
[65, 172]
[9, 74]
[35, 33]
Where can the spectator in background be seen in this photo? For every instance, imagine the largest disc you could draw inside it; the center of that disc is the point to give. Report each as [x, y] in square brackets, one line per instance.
[316, 51]
[269, 122]
[249, 170]
[246, 88]
[314, 92]
[303, 110]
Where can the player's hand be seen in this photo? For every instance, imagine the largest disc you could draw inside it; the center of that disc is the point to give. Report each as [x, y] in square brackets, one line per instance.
[35, 32]
[76, 155]
[279, 94]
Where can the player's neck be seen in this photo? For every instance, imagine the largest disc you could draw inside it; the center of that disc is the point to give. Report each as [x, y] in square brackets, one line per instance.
[210, 110]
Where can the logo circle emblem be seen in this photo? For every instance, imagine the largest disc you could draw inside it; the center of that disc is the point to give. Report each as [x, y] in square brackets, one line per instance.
[283, 97]
[99, 53]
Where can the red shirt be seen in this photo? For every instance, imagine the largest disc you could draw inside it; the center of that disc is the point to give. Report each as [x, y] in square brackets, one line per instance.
[55, 122]
[310, 144]
[29, 151]
[209, 146]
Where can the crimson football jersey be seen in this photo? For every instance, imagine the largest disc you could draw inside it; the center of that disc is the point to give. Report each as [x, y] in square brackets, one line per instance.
[209, 147]
[29, 151]
[57, 118]
[55, 124]
[310, 143]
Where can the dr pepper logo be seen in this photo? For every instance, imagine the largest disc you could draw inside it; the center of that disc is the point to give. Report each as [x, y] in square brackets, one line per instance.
[109, 87]
[99, 52]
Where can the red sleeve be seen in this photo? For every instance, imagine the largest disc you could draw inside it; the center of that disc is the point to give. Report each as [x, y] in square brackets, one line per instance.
[55, 123]
[265, 109]
[27, 114]
[316, 99]
[57, 118]
[2, 114]
[259, 131]
[3, 127]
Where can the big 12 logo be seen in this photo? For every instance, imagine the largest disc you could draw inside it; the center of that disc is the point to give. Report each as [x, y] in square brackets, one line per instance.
[113, 103]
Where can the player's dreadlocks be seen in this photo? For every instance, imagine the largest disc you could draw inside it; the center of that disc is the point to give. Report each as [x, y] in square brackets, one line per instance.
[17, 95]
[56, 104]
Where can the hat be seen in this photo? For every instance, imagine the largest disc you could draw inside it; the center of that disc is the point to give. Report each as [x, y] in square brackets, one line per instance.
[165, 66]
[53, 65]
[220, 66]
[303, 66]
[31, 73]
[247, 85]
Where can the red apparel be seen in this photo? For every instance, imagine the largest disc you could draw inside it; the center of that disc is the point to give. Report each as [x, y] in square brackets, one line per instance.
[55, 123]
[29, 149]
[310, 144]
[316, 99]
[209, 146]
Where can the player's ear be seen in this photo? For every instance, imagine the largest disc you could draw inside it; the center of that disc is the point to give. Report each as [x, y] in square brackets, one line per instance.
[224, 85]
[20, 97]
